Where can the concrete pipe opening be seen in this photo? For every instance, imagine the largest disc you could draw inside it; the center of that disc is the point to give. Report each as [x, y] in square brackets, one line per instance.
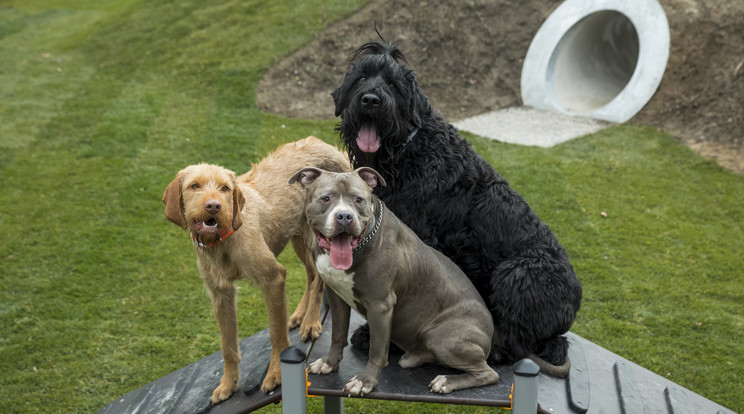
[594, 61]
[602, 59]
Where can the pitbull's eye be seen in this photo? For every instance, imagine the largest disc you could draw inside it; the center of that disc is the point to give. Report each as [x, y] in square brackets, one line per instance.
[325, 199]
[359, 200]
[195, 186]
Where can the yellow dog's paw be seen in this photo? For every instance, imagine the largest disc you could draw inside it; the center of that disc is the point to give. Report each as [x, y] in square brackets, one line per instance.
[223, 392]
[272, 380]
[310, 331]
[296, 319]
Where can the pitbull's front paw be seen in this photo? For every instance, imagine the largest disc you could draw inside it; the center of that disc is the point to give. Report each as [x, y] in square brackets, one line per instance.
[359, 387]
[320, 366]
[440, 385]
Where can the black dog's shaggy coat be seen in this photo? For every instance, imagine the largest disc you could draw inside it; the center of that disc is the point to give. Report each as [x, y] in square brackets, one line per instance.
[457, 203]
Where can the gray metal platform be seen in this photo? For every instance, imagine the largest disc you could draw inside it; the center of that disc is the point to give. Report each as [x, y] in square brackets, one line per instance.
[599, 382]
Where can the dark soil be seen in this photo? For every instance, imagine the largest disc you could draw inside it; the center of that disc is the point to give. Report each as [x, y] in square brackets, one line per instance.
[468, 59]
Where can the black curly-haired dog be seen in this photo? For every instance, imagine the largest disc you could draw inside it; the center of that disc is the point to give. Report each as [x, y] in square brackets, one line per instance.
[457, 203]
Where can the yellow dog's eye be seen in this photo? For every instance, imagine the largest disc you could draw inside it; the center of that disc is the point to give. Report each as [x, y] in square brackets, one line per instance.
[225, 188]
[195, 186]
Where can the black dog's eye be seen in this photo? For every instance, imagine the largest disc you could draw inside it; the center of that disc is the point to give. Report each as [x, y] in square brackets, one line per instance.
[391, 85]
[195, 186]
[362, 79]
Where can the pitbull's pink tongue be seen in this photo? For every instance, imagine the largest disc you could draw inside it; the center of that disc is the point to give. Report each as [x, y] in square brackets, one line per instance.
[367, 139]
[341, 254]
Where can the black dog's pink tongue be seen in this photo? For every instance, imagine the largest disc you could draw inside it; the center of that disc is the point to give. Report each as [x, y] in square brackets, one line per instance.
[340, 252]
[367, 139]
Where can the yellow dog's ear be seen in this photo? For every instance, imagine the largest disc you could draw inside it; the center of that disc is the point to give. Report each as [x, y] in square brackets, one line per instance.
[174, 203]
[238, 203]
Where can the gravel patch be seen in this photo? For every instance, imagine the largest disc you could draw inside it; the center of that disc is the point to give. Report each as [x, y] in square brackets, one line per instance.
[530, 126]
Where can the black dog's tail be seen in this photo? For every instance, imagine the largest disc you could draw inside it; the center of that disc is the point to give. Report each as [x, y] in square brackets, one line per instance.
[559, 371]
[553, 357]
[360, 340]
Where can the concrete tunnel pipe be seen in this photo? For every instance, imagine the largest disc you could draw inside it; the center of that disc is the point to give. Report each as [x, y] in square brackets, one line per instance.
[602, 59]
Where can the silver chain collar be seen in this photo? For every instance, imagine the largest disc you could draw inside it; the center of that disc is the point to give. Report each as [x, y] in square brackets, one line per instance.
[410, 137]
[369, 237]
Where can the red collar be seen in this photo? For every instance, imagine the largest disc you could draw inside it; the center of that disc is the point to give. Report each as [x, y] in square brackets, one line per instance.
[225, 234]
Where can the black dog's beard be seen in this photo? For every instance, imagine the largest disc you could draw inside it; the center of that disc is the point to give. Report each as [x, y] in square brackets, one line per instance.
[391, 128]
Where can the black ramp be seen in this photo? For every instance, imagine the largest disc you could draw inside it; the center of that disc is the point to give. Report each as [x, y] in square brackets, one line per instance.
[189, 389]
[614, 385]
[599, 382]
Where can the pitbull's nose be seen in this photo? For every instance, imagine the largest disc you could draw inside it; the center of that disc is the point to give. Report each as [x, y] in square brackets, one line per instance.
[213, 206]
[344, 218]
[370, 100]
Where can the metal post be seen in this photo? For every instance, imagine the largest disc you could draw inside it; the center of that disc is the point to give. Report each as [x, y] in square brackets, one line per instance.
[294, 381]
[524, 394]
[333, 405]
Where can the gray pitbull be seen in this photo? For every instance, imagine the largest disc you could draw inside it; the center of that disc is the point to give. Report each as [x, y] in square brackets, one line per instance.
[409, 293]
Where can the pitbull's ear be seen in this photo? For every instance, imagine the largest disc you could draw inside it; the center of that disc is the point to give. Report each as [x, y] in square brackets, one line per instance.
[305, 176]
[173, 202]
[370, 176]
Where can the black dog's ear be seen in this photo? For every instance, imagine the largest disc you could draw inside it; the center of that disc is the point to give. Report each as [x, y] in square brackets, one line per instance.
[419, 103]
[335, 94]
[371, 177]
[305, 176]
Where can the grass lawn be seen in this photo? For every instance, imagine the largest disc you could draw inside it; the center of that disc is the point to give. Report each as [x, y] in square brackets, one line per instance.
[102, 102]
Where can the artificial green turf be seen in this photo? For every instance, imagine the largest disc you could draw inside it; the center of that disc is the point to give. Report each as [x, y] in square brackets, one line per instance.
[102, 102]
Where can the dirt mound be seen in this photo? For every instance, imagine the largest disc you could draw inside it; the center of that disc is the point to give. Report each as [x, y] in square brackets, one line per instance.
[468, 59]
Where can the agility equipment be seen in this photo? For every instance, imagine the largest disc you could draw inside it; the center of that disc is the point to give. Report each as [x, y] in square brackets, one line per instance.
[599, 382]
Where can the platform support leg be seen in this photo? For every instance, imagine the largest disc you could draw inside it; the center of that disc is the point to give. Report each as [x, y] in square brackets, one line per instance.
[524, 393]
[294, 381]
[333, 405]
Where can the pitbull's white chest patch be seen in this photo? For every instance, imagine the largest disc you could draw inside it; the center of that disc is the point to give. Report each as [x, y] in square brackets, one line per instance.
[340, 281]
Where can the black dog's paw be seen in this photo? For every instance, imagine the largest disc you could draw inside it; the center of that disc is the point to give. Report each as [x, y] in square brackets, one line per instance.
[500, 356]
[360, 338]
[360, 341]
